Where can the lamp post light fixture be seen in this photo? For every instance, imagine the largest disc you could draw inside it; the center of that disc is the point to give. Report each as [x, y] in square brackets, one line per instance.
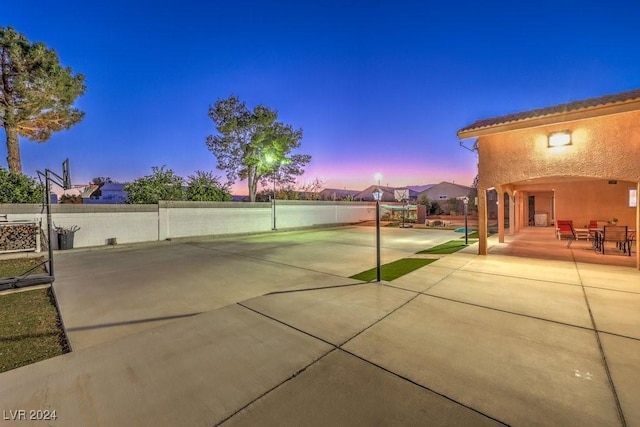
[465, 200]
[378, 177]
[377, 195]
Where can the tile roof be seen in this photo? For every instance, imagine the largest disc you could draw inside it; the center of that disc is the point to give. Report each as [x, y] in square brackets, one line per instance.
[617, 98]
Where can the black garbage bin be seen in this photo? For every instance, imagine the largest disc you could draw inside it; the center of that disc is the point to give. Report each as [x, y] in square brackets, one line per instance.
[65, 240]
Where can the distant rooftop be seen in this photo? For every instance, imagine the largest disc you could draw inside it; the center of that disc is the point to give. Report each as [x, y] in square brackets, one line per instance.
[617, 99]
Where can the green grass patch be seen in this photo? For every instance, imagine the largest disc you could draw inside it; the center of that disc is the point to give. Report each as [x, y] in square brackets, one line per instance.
[393, 270]
[14, 267]
[446, 248]
[30, 330]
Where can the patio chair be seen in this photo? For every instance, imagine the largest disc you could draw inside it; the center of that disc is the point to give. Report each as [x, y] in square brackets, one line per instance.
[631, 237]
[562, 226]
[565, 229]
[616, 234]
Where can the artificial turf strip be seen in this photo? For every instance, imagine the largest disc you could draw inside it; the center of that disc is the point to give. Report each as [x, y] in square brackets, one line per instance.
[15, 267]
[446, 248]
[393, 270]
[30, 330]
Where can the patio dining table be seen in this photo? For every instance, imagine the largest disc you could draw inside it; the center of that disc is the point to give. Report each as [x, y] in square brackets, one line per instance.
[598, 239]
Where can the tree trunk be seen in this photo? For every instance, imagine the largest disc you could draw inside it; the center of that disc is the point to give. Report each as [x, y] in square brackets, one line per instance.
[252, 185]
[13, 150]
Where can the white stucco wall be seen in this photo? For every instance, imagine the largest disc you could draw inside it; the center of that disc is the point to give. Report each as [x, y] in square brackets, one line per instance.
[147, 223]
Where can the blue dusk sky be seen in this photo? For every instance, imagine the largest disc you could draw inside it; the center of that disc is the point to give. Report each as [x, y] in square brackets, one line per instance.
[376, 86]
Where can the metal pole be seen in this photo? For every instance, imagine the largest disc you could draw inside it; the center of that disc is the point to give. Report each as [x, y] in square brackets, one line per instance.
[377, 240]
[274, 202]
[47, 180]
[466, 228]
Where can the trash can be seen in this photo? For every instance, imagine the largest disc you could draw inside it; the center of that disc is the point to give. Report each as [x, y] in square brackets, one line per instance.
[65, 236]
[65, 240]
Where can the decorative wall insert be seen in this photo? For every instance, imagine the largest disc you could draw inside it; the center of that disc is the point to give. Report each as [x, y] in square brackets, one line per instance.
[19, 236]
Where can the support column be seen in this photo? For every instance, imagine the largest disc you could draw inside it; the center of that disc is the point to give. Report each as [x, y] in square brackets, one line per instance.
[500, 214]
[512, 214]
[637, 225]
[482, 221]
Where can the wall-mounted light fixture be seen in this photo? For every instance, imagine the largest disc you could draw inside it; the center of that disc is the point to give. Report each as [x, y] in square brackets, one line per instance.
[633, 197]
[558, 139]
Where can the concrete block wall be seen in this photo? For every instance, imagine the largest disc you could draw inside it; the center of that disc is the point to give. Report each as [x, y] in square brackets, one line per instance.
[188, 219]
[146, 223]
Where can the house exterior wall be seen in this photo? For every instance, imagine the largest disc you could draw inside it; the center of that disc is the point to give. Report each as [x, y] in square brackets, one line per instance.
[602, 147]
[605, 201]
[444, 191]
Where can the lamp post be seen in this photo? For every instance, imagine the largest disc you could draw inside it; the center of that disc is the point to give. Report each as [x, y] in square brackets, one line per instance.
[271, 161]
[465, 200]
[377, 195]
[273, 202]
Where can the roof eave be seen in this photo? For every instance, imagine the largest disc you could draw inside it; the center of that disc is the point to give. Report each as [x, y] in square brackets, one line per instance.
[569, 116]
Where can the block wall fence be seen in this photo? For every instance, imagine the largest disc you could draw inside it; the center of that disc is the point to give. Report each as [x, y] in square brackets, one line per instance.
[166, 220]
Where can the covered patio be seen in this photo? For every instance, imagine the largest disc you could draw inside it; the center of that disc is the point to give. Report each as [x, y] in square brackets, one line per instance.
[578, 161]
[541, 243]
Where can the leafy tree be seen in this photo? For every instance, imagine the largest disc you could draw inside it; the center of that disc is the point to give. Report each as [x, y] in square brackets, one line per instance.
[473, 194]
[162, 184]
[311, 190]
[18, 188]
[253, 145]
[204, 186]
[288, 192]
[453, 206]
[36, 93]
[101, 180]
[434, 208]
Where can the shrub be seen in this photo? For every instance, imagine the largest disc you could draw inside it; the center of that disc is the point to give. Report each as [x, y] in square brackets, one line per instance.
[18, 188]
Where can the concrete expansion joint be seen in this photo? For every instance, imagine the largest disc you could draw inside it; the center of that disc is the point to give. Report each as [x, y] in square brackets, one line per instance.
[603, 356]
[409, 380]
[340, 348]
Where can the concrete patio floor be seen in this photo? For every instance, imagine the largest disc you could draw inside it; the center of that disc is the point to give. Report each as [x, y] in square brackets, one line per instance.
[466, 340]
[540, 242]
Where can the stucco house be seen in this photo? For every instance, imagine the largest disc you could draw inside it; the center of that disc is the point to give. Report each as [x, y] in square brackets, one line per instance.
[444, 191]
[388, 193]
[577, 161]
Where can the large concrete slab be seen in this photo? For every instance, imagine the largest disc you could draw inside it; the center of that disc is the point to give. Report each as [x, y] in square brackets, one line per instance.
[342, 390]
[423, 278]
[623, 357]
[615, 311]
[195, 372]
[516, 369]
[530, 268]
[546, 300]
[610, 277]
[104, 295]
[334, 314]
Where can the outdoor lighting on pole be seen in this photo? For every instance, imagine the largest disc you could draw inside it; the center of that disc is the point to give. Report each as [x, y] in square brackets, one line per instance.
[271, 160]
[465, 200]
[377, 195]
[274, 202]
[378, 177]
